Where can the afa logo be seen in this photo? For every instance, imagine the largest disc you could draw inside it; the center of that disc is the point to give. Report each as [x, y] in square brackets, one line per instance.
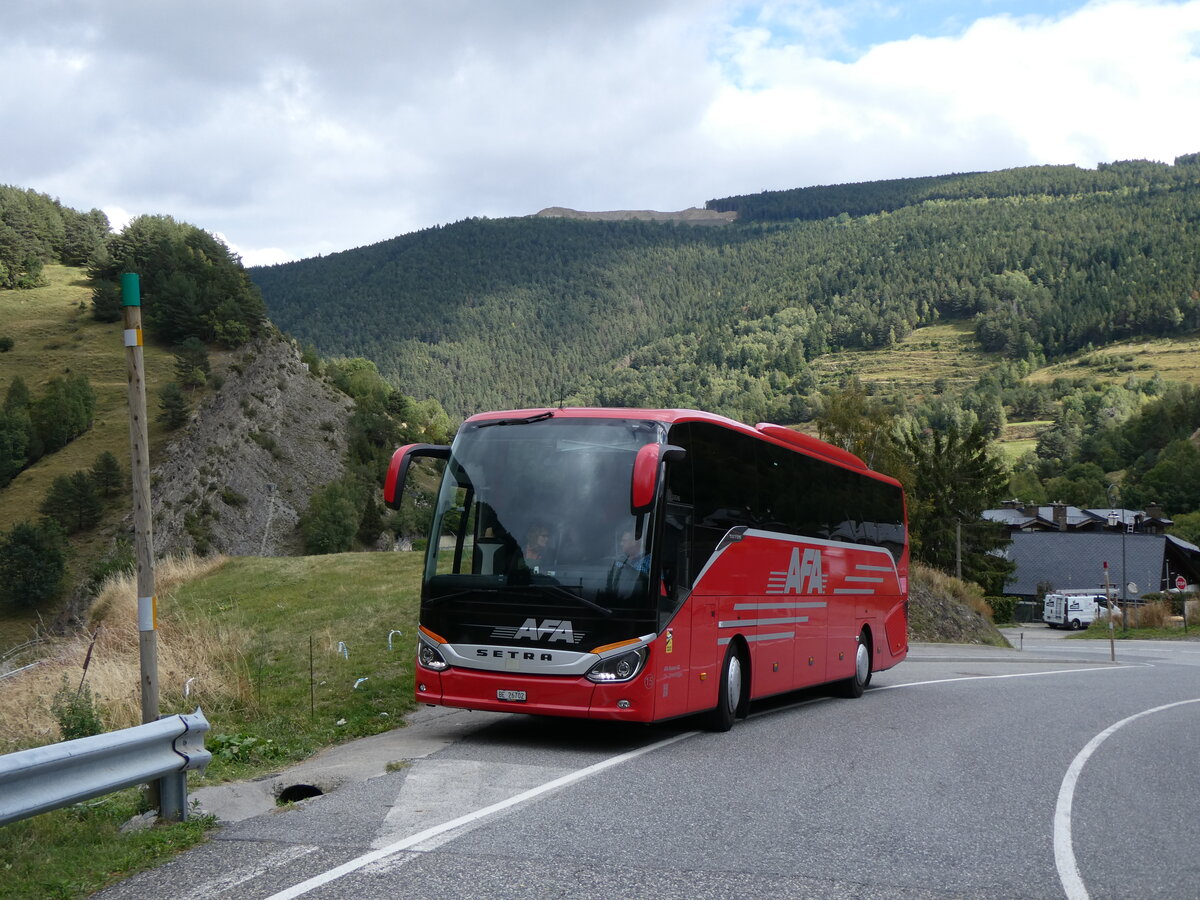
[550, 629]
[804, 574]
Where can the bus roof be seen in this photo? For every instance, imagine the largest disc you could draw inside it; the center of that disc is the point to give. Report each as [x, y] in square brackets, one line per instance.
[776, 434]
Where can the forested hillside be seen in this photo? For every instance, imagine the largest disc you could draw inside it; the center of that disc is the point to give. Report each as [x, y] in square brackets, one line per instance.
[867, 197]
[36, 229]
[516, 312]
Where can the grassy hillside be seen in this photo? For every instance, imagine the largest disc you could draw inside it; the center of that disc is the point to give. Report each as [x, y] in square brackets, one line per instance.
[53, 333]
[930, 359]
[1174, 359]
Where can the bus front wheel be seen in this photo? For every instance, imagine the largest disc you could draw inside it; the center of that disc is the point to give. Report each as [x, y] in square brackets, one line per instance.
[857, 683]
[729, 693]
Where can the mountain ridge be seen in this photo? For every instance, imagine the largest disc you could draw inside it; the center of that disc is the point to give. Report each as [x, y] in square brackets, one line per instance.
[691, 216]
[504, 313]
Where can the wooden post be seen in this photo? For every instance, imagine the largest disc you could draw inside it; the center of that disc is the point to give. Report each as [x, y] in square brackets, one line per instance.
[139, 455]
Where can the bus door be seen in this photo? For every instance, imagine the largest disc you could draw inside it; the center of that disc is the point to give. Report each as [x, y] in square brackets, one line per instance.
[674, 659]
[843, 615]
[706, 656]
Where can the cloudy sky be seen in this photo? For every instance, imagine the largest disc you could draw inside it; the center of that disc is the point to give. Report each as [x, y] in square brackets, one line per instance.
[298, 127]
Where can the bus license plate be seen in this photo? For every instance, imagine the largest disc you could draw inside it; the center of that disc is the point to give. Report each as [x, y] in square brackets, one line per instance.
[511, 696]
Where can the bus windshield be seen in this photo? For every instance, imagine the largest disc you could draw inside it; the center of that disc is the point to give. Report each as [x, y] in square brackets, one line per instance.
[542, 506]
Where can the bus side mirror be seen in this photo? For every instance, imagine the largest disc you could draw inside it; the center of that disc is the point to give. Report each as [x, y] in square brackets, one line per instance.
[646, 467]
[393, 485]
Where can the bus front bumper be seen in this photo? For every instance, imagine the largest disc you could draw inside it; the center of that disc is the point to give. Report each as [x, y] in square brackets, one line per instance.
[547, 695]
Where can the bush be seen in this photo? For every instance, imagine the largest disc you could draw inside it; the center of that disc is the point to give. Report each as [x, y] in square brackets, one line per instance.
[119, 560]
[330, 523]
[1002, 609]
[1150, 615]
[75, 710]
[230, 497]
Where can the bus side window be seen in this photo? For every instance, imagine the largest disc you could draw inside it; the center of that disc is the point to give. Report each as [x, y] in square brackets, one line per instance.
[678, 547]
[676, 557]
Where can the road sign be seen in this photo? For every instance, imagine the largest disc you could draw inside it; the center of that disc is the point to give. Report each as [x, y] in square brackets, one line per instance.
[1180, 583]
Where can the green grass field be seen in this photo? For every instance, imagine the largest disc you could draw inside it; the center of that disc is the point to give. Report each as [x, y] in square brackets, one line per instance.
[290, 701]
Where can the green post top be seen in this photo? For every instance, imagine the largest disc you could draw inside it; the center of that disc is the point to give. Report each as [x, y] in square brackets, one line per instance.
[131, 292]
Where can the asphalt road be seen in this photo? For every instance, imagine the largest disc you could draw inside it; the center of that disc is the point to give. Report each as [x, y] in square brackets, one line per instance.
[1046, 771]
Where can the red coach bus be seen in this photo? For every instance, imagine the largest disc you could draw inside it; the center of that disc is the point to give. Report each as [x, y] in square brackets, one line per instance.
[638, 565]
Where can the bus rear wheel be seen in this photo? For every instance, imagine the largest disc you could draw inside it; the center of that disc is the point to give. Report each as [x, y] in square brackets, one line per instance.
[729, 693]
[857, 683]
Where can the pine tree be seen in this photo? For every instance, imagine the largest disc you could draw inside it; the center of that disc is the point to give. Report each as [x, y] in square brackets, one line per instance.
[173, 406]
[32, 564]
[73, 502]
[107, 474]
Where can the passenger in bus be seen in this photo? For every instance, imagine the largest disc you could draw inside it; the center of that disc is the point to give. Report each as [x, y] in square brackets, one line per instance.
[537, 546]
[632, 555]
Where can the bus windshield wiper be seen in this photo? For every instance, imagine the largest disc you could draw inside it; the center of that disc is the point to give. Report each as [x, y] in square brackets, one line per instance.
[536, 589]
[450, 595]
[526, 589]
[526, 420]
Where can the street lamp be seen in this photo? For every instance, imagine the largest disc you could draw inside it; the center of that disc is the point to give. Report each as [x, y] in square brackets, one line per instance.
[1115, 518]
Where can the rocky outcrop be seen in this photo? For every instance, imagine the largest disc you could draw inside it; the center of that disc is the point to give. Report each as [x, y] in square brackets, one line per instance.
[236, 479]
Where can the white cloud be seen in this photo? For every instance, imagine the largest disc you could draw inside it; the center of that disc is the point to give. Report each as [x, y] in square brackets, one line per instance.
[297, 127]
[1110, 81]
[118, 218]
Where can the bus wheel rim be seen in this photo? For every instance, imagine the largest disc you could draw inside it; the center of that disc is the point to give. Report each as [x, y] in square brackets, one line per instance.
[862, 664]
[733, 684]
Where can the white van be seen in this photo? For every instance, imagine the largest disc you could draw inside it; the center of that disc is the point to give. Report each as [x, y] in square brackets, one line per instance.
[1075, 609]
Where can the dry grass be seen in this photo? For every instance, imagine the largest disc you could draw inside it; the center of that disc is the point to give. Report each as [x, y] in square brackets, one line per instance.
[1149, 615]
[210, 658]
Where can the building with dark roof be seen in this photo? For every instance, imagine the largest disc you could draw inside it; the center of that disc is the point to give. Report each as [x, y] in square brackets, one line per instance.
[1065, 548]
[1061, 517]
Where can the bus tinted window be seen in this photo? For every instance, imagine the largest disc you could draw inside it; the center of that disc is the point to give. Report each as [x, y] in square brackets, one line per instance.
[543, 504]
[741, 480]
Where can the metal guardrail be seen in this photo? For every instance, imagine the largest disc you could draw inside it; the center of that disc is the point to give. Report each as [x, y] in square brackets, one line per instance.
[45, 778]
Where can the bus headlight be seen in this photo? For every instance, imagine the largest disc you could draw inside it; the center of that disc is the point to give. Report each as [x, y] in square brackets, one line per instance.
[621, 667]
[429, 657]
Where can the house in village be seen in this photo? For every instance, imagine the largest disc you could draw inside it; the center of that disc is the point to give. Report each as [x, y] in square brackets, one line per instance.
[1065, 548]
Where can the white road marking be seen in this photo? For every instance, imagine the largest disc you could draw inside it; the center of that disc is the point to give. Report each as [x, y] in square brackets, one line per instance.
[215, 886]
[438, 790]
[891, 687]
[374, 856]
[1064, 850]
